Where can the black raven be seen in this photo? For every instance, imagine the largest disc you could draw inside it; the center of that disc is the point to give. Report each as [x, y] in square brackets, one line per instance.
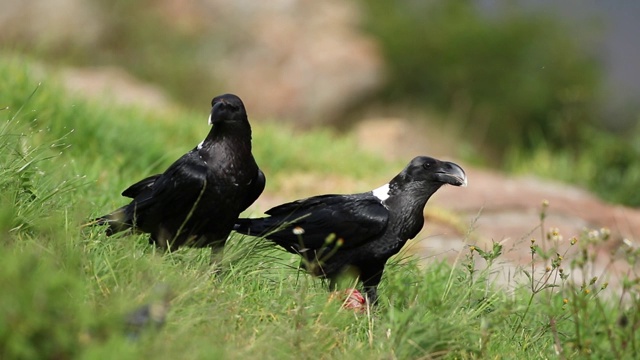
[197, 200]
[361, 231]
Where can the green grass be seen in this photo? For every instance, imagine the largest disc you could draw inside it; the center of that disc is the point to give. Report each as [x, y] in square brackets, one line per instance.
[607, 166]
[66, 288]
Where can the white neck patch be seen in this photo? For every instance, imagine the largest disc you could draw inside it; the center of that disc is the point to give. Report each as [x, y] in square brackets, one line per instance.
[200, 145]
[382, 192]
[209, 121]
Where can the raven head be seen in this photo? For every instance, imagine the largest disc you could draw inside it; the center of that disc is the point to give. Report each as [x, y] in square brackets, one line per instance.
[227, 108]
[423, 168]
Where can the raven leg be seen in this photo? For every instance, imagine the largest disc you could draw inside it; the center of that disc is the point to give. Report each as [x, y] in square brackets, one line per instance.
[217, 248]
[333, 284]
[161, 237]
[370, 280]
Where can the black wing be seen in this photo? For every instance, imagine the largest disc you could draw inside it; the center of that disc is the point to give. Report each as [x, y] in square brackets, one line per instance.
[176, 188]
[142, 185]
[182, 180]
[356, 219]
[257, 186]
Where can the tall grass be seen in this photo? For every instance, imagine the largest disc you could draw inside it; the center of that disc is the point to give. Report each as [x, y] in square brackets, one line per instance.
[66, 289]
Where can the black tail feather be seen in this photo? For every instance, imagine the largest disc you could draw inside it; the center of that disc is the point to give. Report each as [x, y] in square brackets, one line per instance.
[117, 221]
[243, 226]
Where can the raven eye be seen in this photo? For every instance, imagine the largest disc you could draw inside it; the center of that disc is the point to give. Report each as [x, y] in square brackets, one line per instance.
[427, 165]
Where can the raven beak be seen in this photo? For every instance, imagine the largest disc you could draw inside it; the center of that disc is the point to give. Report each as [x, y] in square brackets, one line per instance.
[216, 106]
[452, 174]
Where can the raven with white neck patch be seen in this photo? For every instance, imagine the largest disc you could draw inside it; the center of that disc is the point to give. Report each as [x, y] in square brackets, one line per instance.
[197, 200]
[361, 231]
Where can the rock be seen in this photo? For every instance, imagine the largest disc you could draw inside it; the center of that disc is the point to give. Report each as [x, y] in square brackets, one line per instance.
[304, 61]
[506, 209]
[509, 207]
[107, 83]
[398, 139]
[52, 24]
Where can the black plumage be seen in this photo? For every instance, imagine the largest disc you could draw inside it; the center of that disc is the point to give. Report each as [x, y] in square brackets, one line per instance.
[197, 200]
[360, 231]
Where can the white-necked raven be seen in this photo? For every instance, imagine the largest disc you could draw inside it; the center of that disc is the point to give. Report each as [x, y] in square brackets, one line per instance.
[197, 200]
[359, 231]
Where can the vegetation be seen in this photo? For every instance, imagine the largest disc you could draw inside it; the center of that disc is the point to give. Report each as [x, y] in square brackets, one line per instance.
[135, 35]
[67, 287]
[523, 93]
[516, 85]
[512, 80]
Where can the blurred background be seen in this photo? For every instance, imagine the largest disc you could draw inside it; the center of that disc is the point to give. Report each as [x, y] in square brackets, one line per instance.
[547, 87]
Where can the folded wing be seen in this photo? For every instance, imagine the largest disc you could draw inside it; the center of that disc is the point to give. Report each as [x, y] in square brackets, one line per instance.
[308, 223]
